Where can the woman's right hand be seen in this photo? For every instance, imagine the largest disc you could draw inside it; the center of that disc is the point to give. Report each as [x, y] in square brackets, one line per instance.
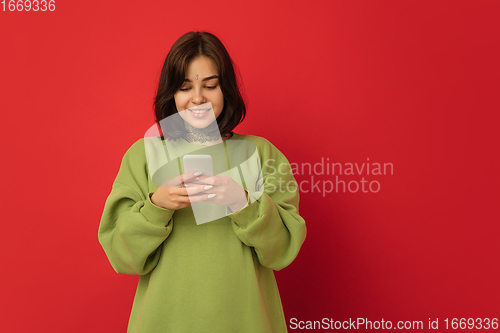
[172, 195]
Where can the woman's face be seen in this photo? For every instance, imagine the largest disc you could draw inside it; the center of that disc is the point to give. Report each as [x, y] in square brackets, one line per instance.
[199, 90]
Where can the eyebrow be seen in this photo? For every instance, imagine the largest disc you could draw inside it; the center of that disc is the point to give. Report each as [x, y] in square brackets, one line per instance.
[205, 79]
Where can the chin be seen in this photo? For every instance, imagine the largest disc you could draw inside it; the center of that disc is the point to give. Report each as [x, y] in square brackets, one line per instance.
[197, 124]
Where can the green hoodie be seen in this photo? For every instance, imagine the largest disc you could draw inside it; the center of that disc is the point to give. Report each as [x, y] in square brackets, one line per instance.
[212, 277]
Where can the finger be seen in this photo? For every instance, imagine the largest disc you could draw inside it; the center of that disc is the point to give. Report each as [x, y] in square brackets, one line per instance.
[199, 197]
[197, 189]
[178, 180]
[211, 180]
[190, 175]
[177, 193]
[183, 197]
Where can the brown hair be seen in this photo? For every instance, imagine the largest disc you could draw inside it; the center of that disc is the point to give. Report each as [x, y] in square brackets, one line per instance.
[187, 48]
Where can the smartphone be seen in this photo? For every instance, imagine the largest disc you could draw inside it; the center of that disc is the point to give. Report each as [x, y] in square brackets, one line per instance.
[201, 163]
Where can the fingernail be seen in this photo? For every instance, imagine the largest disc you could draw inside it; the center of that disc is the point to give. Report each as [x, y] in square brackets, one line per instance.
[197, 173]
[197, 178]
[211, 195]
[208, 187]
[185, 185]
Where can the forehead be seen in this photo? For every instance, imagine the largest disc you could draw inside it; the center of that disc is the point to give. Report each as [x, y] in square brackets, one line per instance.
[201, 66]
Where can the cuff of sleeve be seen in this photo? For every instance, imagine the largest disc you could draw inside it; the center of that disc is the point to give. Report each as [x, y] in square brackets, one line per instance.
[156, 215]
[249, 213]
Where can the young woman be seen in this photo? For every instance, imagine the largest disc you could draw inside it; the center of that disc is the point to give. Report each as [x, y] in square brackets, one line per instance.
[214, 275]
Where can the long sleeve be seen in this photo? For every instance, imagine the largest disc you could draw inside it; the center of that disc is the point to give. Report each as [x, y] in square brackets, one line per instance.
[132, 228]
[272, 224]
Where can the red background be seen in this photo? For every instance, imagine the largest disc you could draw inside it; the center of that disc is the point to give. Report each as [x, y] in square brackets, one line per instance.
[412, 83]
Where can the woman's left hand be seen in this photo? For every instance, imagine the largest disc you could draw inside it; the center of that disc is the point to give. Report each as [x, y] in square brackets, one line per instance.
[227, 191]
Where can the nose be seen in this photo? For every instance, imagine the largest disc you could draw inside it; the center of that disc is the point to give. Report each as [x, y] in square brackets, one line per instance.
[198, 98]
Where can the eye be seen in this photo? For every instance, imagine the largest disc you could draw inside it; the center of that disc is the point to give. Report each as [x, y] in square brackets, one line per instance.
[186, 89]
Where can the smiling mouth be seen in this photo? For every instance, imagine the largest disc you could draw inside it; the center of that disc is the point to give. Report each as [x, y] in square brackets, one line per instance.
[198, 111]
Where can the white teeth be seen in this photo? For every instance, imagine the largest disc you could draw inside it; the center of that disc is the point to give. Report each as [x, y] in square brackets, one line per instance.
[199, 111]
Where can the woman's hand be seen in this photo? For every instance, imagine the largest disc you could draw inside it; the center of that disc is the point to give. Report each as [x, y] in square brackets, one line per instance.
[173, 195]
[221, 190]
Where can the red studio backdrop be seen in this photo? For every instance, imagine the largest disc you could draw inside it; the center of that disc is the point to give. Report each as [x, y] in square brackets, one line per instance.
[399, 98]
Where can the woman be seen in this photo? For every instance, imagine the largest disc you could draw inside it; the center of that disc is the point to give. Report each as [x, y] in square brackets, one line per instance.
[215, 276]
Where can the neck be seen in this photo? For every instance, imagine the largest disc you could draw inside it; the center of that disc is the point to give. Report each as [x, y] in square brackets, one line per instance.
[207, 136]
